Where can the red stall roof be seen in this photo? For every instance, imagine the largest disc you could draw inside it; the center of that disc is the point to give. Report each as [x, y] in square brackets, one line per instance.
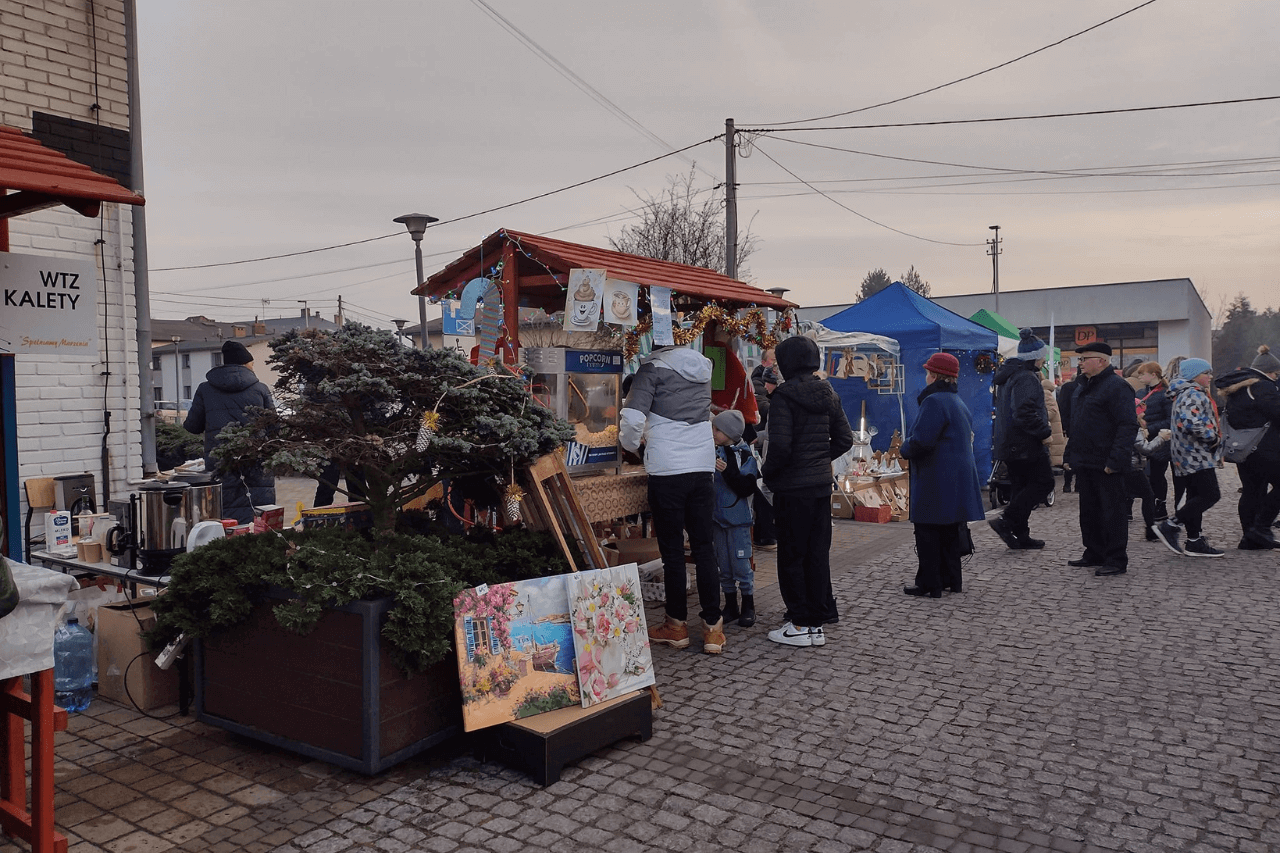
[46, 178]
[537, 255]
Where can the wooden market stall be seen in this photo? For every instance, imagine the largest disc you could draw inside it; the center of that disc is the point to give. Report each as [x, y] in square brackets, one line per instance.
[511, 270]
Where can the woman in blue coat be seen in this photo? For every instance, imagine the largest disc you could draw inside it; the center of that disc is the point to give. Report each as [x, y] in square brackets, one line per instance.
[946, 491]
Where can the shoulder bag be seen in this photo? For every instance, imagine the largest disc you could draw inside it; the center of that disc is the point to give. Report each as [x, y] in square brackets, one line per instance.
[1238, 444]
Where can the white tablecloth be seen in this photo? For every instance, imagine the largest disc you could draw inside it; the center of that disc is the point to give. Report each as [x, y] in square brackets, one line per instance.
[26, 634]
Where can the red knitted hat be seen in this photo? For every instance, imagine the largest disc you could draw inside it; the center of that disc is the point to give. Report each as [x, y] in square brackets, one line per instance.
[943, 364]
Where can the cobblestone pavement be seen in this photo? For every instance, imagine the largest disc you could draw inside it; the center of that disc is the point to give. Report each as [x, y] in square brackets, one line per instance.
[1043, 709]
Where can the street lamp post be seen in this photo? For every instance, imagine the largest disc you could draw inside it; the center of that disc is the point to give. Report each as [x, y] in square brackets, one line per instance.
[417, 224]
[177, 376]
[400, 330]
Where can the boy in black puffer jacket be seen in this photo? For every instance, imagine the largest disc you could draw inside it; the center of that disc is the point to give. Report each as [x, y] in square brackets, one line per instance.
[807, 430]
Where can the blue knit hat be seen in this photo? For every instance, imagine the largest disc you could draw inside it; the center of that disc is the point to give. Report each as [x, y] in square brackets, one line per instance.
[1193, 367]
[1030, 347]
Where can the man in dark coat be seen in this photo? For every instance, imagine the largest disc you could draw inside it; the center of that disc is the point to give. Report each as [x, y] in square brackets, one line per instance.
[807, 430]
[1253, 399]
[1104, 422]
[228, 394]
[1022, 435]
[946, 491]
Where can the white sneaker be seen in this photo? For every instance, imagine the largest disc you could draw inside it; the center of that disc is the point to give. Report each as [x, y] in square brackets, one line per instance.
[817, 637]
[790, 635]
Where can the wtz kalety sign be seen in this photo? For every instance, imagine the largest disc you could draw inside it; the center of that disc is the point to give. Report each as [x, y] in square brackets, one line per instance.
[48, 306]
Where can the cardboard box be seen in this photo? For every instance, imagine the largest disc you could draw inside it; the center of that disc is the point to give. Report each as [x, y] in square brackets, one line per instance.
[623, 551]
[874, 514]
[842, 505]
[349, 516]
[119, 630]
[272, 518]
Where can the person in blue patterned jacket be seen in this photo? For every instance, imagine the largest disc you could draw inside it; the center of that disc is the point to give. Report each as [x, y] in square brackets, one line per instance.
[1196, 451]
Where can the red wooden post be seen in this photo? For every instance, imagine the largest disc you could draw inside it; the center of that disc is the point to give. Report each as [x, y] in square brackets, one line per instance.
[35, 826]
[511, 295]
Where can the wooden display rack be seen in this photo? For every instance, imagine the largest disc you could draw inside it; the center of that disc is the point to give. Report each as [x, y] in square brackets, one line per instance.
[555, 506]
[34, 826]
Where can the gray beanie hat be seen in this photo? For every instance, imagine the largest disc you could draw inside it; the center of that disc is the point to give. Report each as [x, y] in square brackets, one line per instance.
[1266, 362]
[731, 423]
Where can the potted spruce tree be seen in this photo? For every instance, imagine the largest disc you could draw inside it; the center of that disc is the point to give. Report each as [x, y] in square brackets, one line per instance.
[336, 643]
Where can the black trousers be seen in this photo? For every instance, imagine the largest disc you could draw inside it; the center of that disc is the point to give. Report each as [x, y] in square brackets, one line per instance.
[1202, 493]
[1030, 481]
[1258, 506]
[804, 557]
[1103, 527]
[938, 556]
[764, 530]
[682, 503]
[1138, 485]
[1156, 470]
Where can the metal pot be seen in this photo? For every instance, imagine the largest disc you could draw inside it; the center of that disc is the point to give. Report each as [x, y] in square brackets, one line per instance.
[204, 499]
[162, 524]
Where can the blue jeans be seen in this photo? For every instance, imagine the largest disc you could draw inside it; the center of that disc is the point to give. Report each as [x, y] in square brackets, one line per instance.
[683, 503]
[733, 553]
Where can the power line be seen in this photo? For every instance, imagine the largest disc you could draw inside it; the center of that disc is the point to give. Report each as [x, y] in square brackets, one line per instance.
[970, 76]
[854, 212]
[458, 218]
[763, 130]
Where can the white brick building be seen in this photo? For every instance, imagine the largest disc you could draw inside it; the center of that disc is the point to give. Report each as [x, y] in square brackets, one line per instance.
[64, 68]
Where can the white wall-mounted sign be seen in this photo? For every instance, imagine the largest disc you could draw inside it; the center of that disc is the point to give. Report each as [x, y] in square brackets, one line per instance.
[48, 306]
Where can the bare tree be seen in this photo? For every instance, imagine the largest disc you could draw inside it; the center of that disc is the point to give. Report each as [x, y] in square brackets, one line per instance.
[686, 225]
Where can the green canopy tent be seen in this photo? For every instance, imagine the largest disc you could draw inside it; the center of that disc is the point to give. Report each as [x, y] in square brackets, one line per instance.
[1008, 333]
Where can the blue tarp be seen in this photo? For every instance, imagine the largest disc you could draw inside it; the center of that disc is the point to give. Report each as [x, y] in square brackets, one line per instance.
[922, 328]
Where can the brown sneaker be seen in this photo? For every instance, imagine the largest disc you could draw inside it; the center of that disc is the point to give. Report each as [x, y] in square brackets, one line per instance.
[672, 632]
[713, 637]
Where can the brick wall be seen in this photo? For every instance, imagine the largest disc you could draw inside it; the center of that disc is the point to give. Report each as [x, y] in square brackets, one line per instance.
[48, 64]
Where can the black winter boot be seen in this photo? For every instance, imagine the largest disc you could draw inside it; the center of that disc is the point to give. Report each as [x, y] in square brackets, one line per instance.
[748, 617]
[730, 609]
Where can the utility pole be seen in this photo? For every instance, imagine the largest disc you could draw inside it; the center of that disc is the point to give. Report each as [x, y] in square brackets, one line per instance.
[730, 201]
[994, 243]
[342, 320]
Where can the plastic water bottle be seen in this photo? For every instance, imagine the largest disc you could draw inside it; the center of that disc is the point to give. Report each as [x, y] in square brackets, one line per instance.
[72, 666]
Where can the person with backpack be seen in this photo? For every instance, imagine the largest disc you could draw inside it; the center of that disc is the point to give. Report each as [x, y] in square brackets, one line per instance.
[735, 483]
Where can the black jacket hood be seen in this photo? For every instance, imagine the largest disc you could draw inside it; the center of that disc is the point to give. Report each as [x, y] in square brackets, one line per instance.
[231, 378]
[807, 391]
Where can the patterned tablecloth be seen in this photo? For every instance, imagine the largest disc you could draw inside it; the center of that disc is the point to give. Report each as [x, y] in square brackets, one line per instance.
[608, 496]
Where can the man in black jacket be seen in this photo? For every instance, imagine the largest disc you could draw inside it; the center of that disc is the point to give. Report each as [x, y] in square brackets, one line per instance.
[228, 395]
[1104, 422]
[807, 430]
[1021, 441]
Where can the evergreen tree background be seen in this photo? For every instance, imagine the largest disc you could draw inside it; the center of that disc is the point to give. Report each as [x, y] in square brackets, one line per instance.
[1236, 343]
[877, 280]
[357, 396]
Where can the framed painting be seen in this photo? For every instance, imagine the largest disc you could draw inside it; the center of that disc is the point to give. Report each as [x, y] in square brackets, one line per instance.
[610, 639]
[515, 651]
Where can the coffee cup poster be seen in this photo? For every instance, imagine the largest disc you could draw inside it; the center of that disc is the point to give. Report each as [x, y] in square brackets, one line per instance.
[583, 299]
[620, 302]
[50, 306]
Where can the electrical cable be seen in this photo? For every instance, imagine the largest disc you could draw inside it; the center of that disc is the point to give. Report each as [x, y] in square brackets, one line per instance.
[455, 219]
[856, 213]
[763, 130]
[969, 77]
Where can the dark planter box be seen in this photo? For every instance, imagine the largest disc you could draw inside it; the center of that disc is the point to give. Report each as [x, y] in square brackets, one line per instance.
[333, 694]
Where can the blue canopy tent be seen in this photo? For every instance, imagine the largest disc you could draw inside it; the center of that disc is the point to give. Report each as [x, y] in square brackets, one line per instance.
[921, 328]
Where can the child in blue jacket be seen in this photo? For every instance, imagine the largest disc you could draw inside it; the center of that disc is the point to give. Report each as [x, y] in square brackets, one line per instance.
[735, 482]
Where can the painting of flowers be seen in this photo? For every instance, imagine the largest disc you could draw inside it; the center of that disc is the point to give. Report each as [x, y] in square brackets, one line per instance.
[609, 633]
[515, 651]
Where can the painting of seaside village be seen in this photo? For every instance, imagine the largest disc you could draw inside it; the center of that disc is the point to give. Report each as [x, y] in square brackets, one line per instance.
[515, 651]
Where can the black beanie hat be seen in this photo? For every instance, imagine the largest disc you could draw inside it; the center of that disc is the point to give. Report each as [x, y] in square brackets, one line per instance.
[797, 356]
[234, 352]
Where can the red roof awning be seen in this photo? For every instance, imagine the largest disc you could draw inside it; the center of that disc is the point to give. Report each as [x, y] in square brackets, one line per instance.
[545, 263]
[46, 178]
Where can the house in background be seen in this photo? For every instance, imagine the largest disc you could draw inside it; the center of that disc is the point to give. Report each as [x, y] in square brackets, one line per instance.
[183, 351]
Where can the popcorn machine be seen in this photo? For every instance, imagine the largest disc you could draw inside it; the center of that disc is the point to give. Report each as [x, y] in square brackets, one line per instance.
[584, 388]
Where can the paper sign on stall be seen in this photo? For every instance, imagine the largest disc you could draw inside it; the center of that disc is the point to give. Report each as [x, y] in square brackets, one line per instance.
[50, 306]
[582, 300]
[620, 299]
[660, 303]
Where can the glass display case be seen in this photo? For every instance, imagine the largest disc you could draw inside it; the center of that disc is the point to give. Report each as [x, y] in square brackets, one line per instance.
[584, 387]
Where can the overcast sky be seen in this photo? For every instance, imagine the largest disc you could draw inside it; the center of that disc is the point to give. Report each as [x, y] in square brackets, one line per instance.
[277, 126]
